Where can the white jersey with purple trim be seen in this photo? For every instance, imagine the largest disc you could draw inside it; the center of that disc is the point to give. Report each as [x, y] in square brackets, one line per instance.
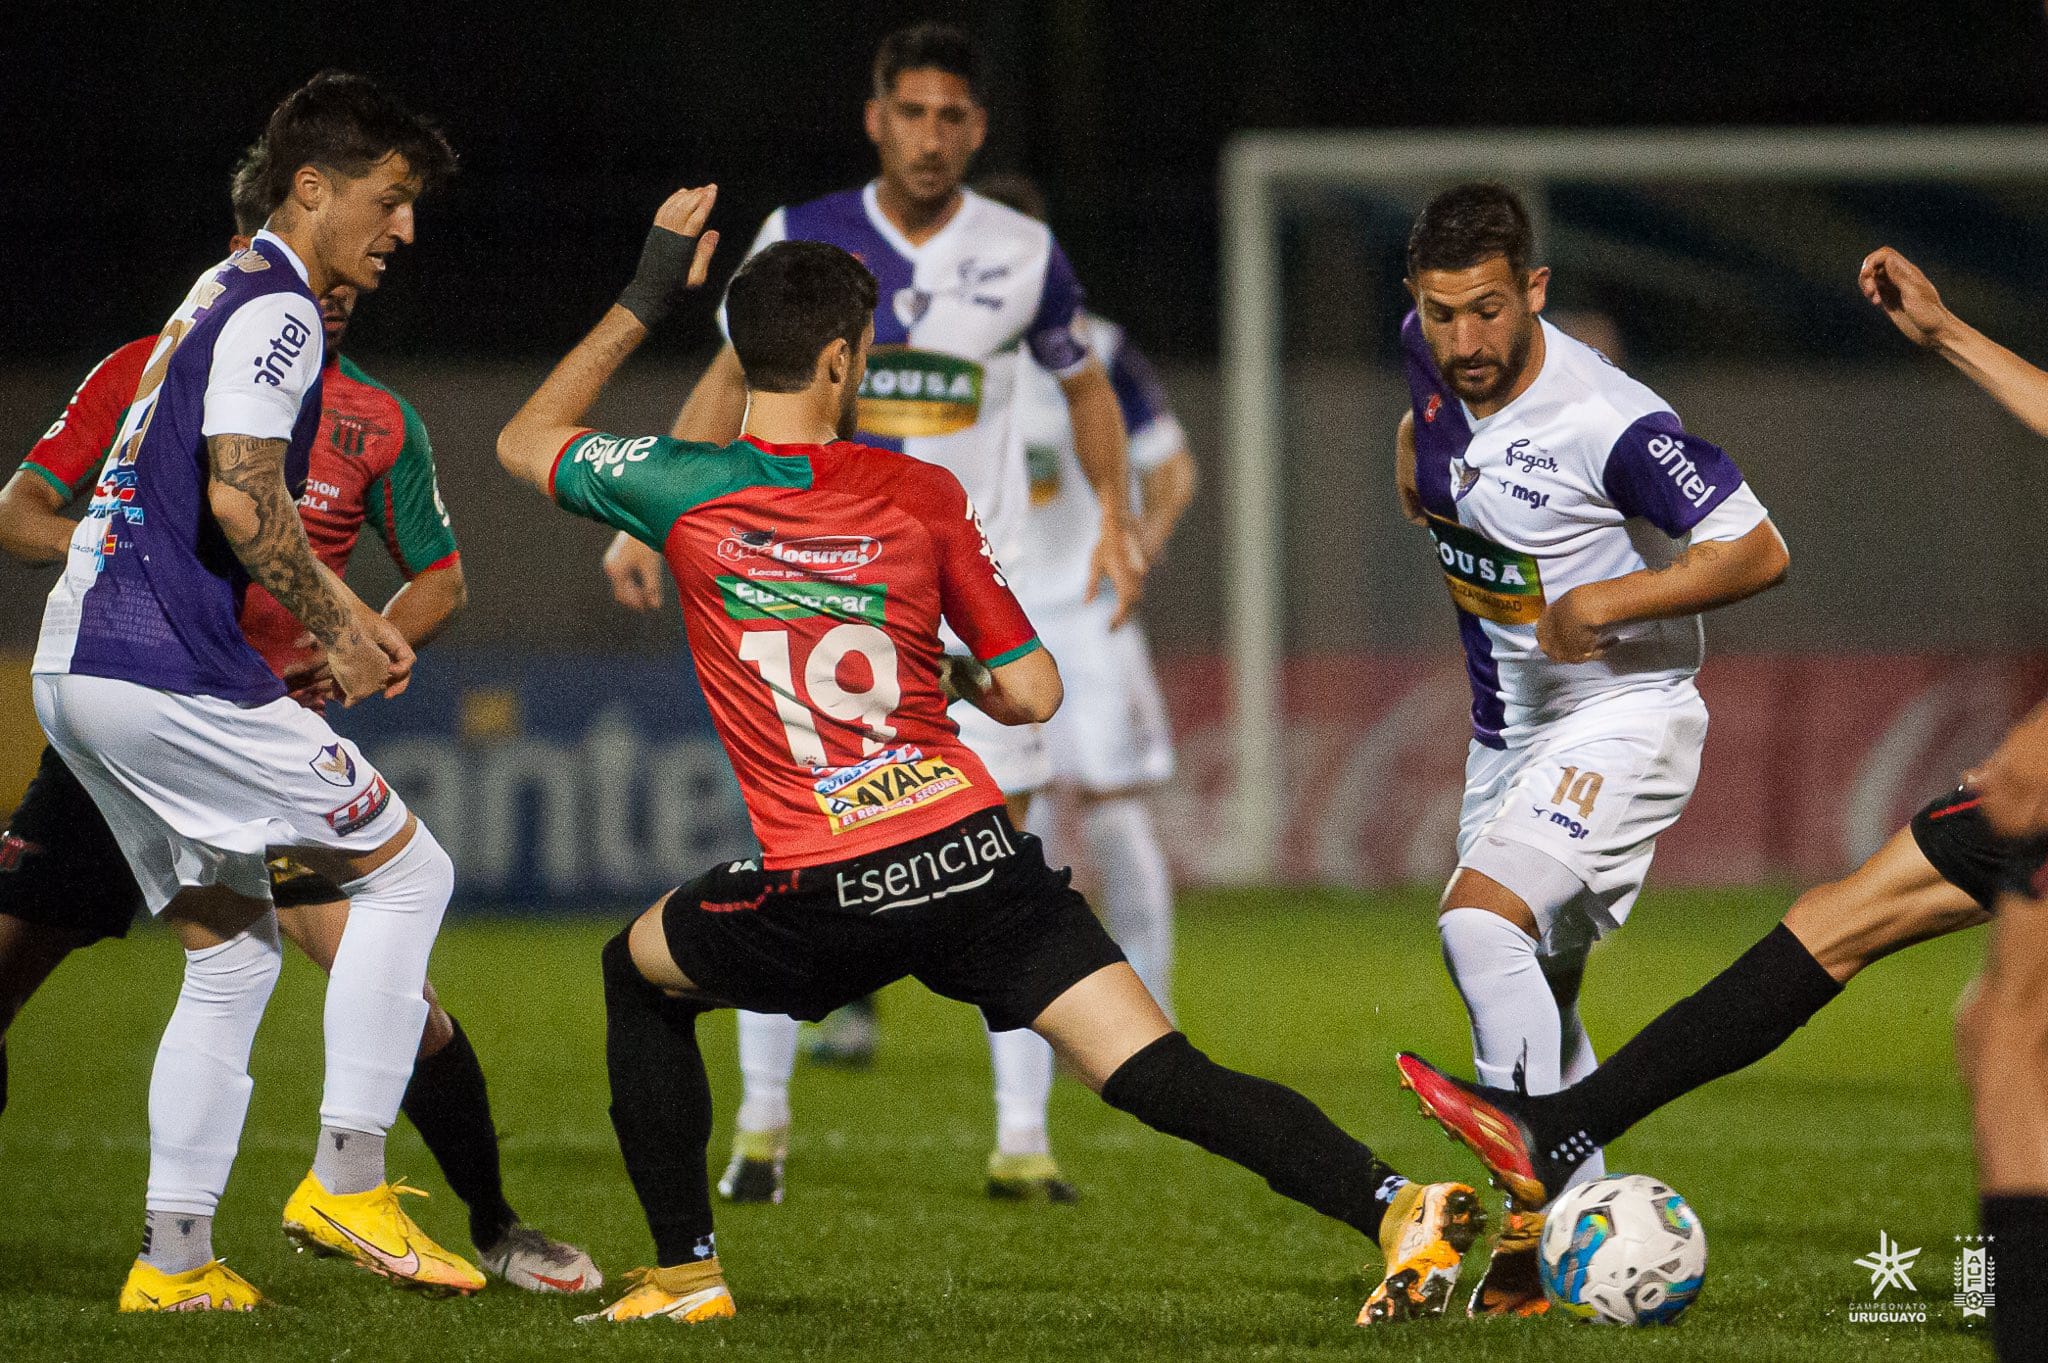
[954, 315]
[1051, 563]
[1587, 476]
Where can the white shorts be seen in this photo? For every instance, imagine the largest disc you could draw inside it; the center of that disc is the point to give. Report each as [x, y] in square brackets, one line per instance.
[1591, 792]
[1112, 732]
[197, 789]
[1014, 754]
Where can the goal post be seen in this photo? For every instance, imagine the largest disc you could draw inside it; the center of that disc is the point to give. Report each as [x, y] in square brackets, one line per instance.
[1260, 169]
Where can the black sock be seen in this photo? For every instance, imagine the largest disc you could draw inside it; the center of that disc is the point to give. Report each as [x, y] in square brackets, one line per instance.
[1266, 1127]
[1736, 1019]
[2017, 1227]
[661, 1106]
[451, 1108]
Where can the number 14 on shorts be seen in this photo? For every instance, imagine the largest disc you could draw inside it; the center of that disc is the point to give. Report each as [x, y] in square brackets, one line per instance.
[1579, 789]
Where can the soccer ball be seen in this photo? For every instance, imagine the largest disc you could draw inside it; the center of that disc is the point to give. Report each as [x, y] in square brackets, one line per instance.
[1623, 1250]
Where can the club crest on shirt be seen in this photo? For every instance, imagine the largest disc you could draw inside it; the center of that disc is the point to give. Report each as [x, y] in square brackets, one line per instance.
[911, 304]
[334, 766]
[1464, 478]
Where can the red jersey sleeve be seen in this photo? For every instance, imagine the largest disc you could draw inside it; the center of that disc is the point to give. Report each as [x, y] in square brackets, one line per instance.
[72, 448]
[974, 596]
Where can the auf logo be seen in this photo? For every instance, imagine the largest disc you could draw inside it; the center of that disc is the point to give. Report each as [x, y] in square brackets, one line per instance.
[1888, 1266]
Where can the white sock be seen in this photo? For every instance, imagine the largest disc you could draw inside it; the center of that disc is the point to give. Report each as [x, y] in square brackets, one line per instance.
[1137, 888]
[767, 1059]
[375, 1012]
[199, 1090]
[1023, 1067]
[1515, 1028]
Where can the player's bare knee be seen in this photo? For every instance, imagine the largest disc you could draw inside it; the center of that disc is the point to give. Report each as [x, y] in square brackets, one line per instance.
[440, 1028]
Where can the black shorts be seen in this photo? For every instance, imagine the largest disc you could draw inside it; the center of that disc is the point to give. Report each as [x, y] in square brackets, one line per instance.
[970, 911]
[1958, 843]
[60, 865]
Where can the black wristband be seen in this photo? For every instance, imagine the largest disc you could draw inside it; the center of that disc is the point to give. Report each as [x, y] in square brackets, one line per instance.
[664, 272]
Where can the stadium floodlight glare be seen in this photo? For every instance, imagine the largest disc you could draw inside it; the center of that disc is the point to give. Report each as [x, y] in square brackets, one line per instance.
[1258, 167]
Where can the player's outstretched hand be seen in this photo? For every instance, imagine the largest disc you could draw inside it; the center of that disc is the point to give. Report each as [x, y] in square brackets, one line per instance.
[1570, 630]
[2012, 784]
[635, 572]
[1120, 558]
[1907, 296]
[684, 213]
[676, 258]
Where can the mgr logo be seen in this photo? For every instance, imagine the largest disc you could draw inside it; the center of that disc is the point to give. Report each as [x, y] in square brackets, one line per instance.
[891, 782]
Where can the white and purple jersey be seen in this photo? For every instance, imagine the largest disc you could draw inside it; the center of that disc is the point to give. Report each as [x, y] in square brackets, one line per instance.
[1051, 565]
[151, 592]
[953, 315]
[1586, 476]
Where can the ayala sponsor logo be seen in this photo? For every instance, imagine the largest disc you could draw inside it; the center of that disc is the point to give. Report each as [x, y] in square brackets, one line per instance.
[1669, 452]
[831, 780]
[611, 453]
[818, 553]
[285, 347]
[1521, 456]
[887, 789]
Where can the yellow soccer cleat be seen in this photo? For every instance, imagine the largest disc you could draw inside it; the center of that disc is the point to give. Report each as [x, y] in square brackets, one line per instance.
[1513, 1285]
[374, 1231]
[688, 1294]
[1428, 1228]
[213, 1286]
[1028, 1178]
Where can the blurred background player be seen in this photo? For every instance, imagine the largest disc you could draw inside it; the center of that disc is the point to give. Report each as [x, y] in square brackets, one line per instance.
[885, 848]
[63, 882]
[189, 744]
[1111, 743]
[1581, 530]
[963, 281]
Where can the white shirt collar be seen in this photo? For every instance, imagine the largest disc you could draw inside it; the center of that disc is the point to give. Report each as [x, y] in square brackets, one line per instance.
[870, 202]
[265, 234]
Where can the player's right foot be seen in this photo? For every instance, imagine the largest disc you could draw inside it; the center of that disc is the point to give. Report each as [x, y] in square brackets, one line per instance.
[1513, 1285]
[1427, 1230]
[372, 1230]
[212, 1286]
[755, 1173]
[1492, 1124]
[1024, 1178]
[687, 1294]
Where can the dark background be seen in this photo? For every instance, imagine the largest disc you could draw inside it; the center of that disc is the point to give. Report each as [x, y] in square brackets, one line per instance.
[118, 125]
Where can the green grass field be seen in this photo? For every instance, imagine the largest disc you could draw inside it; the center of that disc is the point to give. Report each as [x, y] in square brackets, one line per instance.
[886, 1248]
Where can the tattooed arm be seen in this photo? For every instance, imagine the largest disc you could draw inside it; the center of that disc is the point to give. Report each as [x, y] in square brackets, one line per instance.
[248, 496]
[1578, 626]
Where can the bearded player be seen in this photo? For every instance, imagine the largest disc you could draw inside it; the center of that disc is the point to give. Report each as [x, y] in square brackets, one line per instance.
[190, 746]
[63, 883]
[1946, 871]
[1111, 743]
[886, 851]
[966, 286]
[1581, 530]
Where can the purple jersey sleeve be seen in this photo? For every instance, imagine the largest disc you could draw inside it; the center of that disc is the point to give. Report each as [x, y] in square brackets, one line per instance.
[1659, 471]
[1138, 390]
[1054, 334]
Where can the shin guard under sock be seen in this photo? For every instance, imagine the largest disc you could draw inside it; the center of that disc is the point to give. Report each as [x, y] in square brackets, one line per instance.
[661, 1105]
[1266, 1127]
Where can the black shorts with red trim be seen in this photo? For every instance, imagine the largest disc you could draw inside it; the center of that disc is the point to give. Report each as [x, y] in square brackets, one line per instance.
[970, 911]
[1959, 844]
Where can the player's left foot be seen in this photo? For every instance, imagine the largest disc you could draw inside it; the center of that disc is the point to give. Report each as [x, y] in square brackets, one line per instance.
[1427, 1230]
[1023, 1178]
[846, 1037]
[371, 1229]
[755, 1173]
[526, 1258]
[688, 1294]
[1490, 1123]
[212, 1286]
[1513, 1285]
